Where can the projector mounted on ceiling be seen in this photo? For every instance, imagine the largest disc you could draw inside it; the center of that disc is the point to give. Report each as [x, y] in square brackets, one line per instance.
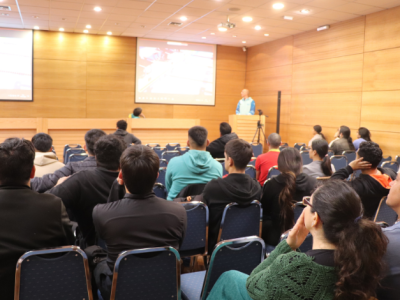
[227, 25]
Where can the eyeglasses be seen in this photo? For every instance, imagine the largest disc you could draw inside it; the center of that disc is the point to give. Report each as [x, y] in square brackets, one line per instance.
[307, 201]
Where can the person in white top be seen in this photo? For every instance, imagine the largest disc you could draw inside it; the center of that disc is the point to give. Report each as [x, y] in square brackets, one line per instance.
[317, 135]
[246, 105]
[46, 161]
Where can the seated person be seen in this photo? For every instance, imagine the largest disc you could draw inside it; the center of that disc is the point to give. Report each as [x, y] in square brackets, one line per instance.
[321, 165]
[140, 219]
[373, 183]
[317, 134]
[49, 180]
[137, 113]
[45, 159]
[194, 167]
[82, 191]
[217, 147]
[129, 138]
[236, 187]
[345, 142]
[29, 220]
[363, 135]
[281, 192]
[330, 270]
[267, 160]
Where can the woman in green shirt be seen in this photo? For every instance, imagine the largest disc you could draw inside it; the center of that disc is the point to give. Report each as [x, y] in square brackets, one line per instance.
[345, 263]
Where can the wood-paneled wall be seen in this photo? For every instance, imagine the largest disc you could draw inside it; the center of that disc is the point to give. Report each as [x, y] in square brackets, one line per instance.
[347, 75]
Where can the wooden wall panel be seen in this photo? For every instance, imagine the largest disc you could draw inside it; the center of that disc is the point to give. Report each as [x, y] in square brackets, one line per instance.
[272, 79]
[388, 142]
[110, 77]
[19, 133]
[268, 103]
[109, 104]
[231, 58]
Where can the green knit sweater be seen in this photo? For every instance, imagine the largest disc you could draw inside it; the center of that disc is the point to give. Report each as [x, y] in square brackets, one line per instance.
[287, 274]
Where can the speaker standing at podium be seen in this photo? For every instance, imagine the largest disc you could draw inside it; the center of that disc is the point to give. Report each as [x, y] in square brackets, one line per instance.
[246, 105]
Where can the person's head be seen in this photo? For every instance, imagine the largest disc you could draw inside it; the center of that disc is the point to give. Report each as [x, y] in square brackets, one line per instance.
[274, 141]
[121, 124]
[42, 142]
[139, 169]
[137, 111]
[319, 151]
[318, 130]
[245, 93]
[238, 154]
[371, 153]
[393, 199]
[16, 162]
[344, 132]
[225, 128]
[364, 134]
[108, 150]
[336, 218]
[91, 138]
[197, 139]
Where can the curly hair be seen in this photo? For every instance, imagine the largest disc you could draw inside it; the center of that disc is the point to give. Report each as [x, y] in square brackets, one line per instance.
[371, 153]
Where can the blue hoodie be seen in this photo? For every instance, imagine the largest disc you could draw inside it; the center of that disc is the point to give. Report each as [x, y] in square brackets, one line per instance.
[193, 167]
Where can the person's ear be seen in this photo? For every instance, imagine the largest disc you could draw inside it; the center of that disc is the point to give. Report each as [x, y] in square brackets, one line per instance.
[33, 171]
[208, 142]
[187, 143]
[85, 148]
[316, 220]
[230, 161]
[120, 178]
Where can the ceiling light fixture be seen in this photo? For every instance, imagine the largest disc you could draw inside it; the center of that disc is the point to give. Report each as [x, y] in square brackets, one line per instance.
[244, 42]
[109, 32]
[88, 26]
[36, 27]
[183, 18]
[288, 18]
[233, 35]
[266, 34]
[258, 27]
[223, 29]
[225, 26]
[203, 37]
[97, 8]
[305, 11]
[247, 19]
[325, 27]
[176, 44]
[278, 5]
[212, 33]
[35, 17]
[61, 29]
[86, 31]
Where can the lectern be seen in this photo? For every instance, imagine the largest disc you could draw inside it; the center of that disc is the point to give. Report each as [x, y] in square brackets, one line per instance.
[246, 126]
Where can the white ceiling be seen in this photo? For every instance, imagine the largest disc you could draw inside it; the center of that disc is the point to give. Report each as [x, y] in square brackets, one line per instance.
[150, 18]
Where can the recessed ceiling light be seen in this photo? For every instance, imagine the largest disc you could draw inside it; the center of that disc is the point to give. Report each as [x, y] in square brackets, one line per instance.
[212, 33]
[35, 17]
[61, 29]
[36, 27]
[88, 26]
[203, 37]
[266, 34]
[97, 8]
[109, 32]
[222, 28]
[86, 31]
[325, 27]
[183, 18]
[63, 19]
[116, 23]
[233, 35]
[244, 42]
[305, 11]
[247, 19]
[258, 27]
[278, 5]
[288, 18]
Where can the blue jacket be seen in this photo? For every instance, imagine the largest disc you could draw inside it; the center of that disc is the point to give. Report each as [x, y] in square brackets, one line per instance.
[246, 107]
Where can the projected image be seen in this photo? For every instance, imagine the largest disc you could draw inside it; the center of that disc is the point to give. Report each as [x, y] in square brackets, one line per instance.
[175, 73]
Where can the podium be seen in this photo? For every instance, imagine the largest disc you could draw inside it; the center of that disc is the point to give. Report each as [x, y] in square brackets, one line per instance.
[245, 127]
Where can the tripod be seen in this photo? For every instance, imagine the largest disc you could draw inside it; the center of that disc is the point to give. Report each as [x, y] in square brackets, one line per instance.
[259, 130]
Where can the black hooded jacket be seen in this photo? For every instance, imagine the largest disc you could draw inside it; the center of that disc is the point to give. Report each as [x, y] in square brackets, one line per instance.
[129, 138]
[217, 147]
[239, 188]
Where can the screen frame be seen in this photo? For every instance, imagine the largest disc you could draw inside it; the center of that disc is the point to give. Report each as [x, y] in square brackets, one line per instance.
[215, 74]
[32, 88]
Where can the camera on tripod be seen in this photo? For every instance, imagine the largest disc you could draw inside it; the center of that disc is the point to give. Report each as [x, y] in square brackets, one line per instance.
[260, 112]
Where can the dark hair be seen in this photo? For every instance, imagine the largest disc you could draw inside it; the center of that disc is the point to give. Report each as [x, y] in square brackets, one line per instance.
[16, 161]
[137, 111]
[225, 128]
[360, 243]
[345, 131]
[318, 129]
[274, 140]
[322, 147]
[121, 124]
[240, 151]
[108, 150]
[199, 135]
[42, 142]
[139, 166]
[371, 153]
[290, 164]
[364, 133]
[91, 138]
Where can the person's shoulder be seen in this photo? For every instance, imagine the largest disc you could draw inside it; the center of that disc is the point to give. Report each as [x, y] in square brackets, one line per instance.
[212, 184]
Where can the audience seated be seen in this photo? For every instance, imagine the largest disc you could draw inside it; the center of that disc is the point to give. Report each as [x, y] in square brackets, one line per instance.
[321, 165]
[363, 135]
[217, 147]
[129, 138]
[137, 113]
[82, 191]
[344, 263]
[195, 166]
[45, 160]
[317, 135]
[140, 219]
[49, 180]
[29, 220]
[345, 142]
[266, 161]
[236, 187]
[373, 183]
[281, 192]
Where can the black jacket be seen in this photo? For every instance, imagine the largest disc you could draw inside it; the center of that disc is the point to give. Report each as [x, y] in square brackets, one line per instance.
[42, 184]
[129, 138]
[368, 188]
[217, 147]
[272, 222]
[139, 221]
[81, 193]
[218, 193]
[28, 221]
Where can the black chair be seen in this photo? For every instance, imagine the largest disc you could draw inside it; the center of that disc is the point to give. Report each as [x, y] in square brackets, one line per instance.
[191, 190]
[283, 146]
[152, 145]
[298, 208]
[159, 151]
[307, 244]
[242, 255]
[251, 171]
[163, 163]
[77, 157]
[299, 145]
[182, 150]
[305, 156]
[160, 190]
[53, 274]
[71, 151]
[240, 221]
[322, 180]
[397, 159]
[68, 146]
[384, 213]
[222, 162]
[273, 171]
[172, 146]
[161, 175]
[330, 153]
[394, 165]
[389, 158]
[257, 149]
[150, 274]
[168, 155]
[253, 161]
[350, 155]
[339, 161]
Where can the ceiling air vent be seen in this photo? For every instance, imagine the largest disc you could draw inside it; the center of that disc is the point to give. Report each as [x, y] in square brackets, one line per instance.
[2, 7]
[174, 24]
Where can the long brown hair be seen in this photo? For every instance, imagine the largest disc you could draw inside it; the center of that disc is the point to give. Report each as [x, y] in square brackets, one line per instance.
[360, 243]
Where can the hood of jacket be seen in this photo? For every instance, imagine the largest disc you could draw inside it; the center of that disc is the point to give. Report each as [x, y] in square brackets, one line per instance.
[45, 158]
[241, 188]
[227, 137]
[121, 132]
[198, 162]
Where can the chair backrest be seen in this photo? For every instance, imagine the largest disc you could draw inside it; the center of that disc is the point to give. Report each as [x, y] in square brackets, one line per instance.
[273, 171]
[77, 157]
[242, 255]
[253, 161]
[251, 171]
[151, 274]
[192, 190]
[339, 161]
[196, 236]
[71, 151]
[281, 147]
[299, 145]
[394, 165]
[182, 150]
[68, 146]
[172, 146]
[384, 213]
[307, 244]
[160, 190]
[305, 156]
[350, 155]
[330, 153]
[168, 155]
[257, 149]
[322, 180]
[163, 163]
[41, 275]
[241, 220]
[152, 145]
[298, 208]
[397, 159]
[389, 158]
[161, 175]
[159, 151]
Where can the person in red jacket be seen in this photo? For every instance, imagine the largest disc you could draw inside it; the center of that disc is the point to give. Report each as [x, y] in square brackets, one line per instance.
[267, 160]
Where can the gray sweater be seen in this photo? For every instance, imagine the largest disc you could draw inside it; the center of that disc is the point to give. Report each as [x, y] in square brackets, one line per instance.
[314, 169]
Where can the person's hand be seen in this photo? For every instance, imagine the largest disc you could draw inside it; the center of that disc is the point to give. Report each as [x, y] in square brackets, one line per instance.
[298, 234]
[61, 180]
[359, 164]
[189, 198]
